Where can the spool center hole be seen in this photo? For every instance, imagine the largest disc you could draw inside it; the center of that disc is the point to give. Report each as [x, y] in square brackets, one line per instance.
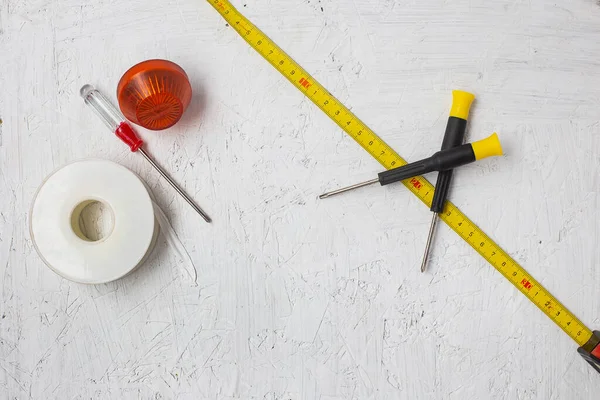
[92, 220]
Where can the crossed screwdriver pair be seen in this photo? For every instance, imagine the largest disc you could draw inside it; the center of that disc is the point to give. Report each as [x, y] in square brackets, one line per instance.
[452, 155]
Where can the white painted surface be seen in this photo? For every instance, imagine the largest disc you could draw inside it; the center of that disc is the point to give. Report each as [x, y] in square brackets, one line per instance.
[300, 298]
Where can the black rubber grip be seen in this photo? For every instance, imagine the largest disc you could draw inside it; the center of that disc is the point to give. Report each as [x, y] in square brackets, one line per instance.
[408, 171]
[455, 133]
[440, 161]
[454, 137]
[452, 158]
[442, 188]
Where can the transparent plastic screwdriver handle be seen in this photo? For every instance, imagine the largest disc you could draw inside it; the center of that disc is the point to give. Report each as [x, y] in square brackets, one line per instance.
[112, 118]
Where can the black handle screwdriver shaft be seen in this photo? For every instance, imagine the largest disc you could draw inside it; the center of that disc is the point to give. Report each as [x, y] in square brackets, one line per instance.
[453, 137]
[440, 161]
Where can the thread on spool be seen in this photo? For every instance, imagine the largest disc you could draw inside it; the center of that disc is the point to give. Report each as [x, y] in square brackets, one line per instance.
[73, 226]
[66, 245]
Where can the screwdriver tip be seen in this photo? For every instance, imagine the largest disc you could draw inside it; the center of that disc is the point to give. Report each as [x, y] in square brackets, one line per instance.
[202, 213]
[429, 240]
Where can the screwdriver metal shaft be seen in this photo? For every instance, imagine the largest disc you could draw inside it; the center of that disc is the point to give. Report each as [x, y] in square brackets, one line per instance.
[347, 189]
[434, 221]
[174, 185]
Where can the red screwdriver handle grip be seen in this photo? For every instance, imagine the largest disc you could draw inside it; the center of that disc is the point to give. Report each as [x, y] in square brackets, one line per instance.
[128, 136]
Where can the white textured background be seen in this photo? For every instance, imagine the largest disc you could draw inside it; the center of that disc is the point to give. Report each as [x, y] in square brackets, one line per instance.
[300, 298]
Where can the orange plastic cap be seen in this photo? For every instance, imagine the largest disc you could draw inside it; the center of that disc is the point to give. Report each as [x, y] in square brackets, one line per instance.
[154, 94]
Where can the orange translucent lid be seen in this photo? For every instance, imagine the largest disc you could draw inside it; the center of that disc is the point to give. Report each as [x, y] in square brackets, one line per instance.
[154, 94]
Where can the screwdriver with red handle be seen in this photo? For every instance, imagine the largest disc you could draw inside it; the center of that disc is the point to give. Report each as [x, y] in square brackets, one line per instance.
[115, 121]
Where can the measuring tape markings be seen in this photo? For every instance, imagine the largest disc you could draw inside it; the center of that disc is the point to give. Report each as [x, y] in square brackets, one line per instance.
[419, 186]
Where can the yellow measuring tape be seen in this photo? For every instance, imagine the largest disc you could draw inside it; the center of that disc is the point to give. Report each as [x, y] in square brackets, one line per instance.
[383, 153]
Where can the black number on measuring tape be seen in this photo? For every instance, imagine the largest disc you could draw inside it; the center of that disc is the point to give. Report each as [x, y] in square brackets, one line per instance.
[393, 163]
[326, 102]
[493, 253]
[481, 244]
[259, 42]
[371, 143]
[348, 123]
[471, 234]
[293, 72]
[337, 112]
[547, 304]
[514, 273]
[568, 323]
[504, 264]
[558, 313]
[382, 153]
[359, 133]
[281, 62]
[449, 213]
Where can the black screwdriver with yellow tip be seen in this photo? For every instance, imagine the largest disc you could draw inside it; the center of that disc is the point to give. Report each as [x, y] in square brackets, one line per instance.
[453, 137]
[440, 161]
[452, 155]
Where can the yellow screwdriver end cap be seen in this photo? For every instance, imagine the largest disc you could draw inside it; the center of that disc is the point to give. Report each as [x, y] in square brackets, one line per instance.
[487, 147]
[461, 104]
